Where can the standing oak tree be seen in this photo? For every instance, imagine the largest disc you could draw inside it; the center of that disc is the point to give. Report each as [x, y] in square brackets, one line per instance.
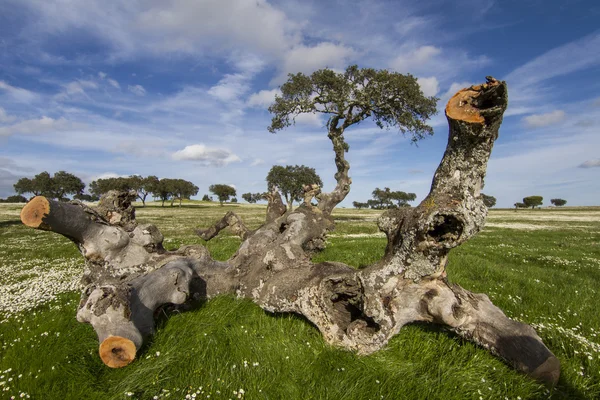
[290, 181]
[129, 274]
[223, 192]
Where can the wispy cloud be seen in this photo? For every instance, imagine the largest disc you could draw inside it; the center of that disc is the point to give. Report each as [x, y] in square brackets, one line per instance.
[138, 90]
[415, 59]
[572, 57]
[540, 120]
[307, 59]
[263, 98]
[591, 164]
[429, 86]
[206, 155]
[4, 117]
[18, 94]
[37, 126]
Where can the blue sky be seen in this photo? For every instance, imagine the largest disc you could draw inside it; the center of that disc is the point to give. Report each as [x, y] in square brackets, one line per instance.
[179, 89]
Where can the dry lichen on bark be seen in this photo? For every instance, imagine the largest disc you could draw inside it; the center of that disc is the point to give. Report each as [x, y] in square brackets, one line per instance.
[129, 273]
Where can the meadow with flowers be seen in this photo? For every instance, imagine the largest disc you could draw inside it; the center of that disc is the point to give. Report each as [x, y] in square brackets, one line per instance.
[540, 266]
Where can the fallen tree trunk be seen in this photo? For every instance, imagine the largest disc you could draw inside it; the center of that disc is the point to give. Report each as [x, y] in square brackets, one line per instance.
[129, 274]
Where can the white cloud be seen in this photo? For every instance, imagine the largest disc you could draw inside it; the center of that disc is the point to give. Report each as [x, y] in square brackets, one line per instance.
[574, 56]
[591, 164]
[79, 86]
[429, 86]
[263, 99]
[189, 26]
[138, 90]
[257, 162]
[230, 88]
[105, 175]
[309, 119]
[539, 120]
[113, 83]
[19, 94]
[416, 59]
[206, 155]
[307, 59]
[412, 24]
[75, 89]
[4, 117]
[37, 126]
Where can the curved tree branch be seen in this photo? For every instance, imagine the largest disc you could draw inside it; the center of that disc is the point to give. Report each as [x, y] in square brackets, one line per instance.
[129, 274]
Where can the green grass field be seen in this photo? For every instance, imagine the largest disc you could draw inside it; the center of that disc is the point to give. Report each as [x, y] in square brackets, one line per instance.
[541, 267]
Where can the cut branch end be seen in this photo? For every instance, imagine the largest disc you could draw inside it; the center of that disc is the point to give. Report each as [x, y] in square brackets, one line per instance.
[35, 211]
[117, 351]
[467, 104]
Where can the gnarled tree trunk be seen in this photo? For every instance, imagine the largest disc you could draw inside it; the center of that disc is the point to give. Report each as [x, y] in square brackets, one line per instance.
[129, 274]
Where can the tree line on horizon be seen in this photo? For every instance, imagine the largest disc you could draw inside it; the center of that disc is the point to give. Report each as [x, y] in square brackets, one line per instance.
[537, 201]
[289, 180]
[63, 184]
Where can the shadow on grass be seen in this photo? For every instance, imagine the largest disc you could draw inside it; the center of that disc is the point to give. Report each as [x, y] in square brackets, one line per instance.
[564, 389]
[6, 224]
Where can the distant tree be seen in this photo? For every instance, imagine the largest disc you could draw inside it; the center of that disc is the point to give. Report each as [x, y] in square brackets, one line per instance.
[223, 192]
[182, 189]
[64, 183]
[290, 181]
[533, 201]
[143, 186]
[14, 199]
[384, 198]
[234, 200]
[520, 205]
[86, 197]
[206, 198]
[558, 202]
[489, 201]
[103, 185]
[253, 197]
[25, 185]
[360, 205]
[54, 187]
[40, 185]
[164, 190]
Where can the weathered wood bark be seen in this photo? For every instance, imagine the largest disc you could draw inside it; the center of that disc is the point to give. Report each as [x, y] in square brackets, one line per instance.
[129, 274]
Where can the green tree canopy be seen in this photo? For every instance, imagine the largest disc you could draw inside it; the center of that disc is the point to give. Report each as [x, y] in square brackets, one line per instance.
[533, 201]
[103, 185]
[65, 183]
[359, 205]
[489, 201]
[54, 187]
[558, 202]
[223, 192]
[14, 199]
[40, 185]
[290, 181]
[390, 99]
[385, 198]
[143, 186]
[164, 190]
[183, 189]
[253, 197]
